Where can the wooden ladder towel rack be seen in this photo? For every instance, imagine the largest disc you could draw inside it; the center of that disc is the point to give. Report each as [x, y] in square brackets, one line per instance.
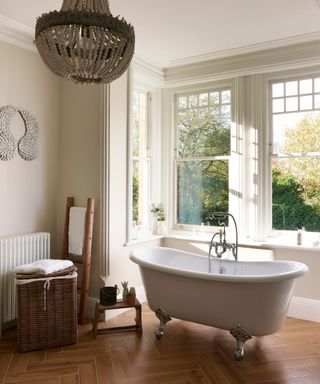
[85, 259]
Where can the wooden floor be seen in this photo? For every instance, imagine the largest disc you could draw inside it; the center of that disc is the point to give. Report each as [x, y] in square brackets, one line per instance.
[187, 354]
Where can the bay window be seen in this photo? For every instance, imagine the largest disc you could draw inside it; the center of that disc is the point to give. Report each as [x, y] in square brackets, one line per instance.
[295, 153]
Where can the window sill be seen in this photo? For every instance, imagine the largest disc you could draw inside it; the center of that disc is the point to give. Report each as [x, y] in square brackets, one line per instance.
[288, 240]
[143, 240]
[285, 241]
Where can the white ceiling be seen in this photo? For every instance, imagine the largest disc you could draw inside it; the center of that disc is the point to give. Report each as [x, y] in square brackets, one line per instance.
[172, 32]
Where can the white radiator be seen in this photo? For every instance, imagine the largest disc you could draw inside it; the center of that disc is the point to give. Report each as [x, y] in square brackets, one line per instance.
[15, 251]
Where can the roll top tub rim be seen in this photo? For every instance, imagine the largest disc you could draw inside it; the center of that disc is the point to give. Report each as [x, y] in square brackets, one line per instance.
[143, 256]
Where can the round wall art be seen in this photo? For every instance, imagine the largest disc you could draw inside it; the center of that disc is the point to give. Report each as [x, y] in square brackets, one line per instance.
[27, 146]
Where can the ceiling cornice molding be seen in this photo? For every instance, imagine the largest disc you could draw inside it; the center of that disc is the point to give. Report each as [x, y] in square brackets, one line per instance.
[17, 34]
[270, 60]
[147, 72]
[281, 54]
[272, 44]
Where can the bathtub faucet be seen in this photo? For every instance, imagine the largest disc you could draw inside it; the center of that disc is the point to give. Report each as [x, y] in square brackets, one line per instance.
[221, 245]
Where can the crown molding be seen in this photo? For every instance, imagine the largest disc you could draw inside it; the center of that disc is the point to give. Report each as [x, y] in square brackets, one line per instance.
[17, 34]
[272, 44]
[146, 72]
[265, 61]
[282, 54]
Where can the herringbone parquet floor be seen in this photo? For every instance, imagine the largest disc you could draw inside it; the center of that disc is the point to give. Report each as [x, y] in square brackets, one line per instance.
[187, 354]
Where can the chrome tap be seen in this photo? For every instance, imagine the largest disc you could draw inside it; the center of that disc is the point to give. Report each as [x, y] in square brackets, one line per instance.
[221, 246]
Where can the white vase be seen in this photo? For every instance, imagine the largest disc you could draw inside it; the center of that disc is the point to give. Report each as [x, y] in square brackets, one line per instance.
[161, 228]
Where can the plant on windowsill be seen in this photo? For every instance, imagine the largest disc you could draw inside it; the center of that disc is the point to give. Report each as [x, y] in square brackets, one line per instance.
[158, 213]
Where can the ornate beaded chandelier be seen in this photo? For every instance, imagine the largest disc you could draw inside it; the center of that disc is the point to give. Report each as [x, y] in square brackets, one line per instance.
[84, 42]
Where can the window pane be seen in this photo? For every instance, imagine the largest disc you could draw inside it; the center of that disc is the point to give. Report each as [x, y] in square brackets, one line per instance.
[203, 130]
[135, 190]
[295, 186]
[140, 165]
[135, 139]
[305, 102]
[193, 101]
[206, 136]
[291, 104]
[202, 189]
[278, 105]
[226, 111]
[182, 102]
[136, 125]
[278, 90]
[142, 101]
[296, 132]
[317, 84]
[214, 98]
[317, 101]
[203, 99]
[305, 86]
[291, 88]
[225, 97]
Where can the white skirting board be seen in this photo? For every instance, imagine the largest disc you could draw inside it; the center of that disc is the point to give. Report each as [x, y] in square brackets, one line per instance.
[300, 307]
[306, 309]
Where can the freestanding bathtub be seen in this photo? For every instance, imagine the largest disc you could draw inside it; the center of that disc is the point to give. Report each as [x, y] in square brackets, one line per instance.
[246, 298]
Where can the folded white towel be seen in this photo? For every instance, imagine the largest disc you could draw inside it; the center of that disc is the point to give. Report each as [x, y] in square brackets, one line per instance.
[44, 267]
[77, 220]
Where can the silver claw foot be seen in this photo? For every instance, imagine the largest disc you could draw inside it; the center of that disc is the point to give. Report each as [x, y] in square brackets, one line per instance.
[241, 336]
[164, 318]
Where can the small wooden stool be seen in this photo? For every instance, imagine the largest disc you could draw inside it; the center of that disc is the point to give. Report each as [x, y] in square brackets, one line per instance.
[119, 305]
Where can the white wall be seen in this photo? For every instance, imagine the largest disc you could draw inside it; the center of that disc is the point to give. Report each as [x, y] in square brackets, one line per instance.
[120, 267]
[28, 189]
[82, 121]
[308, 285]
[79, 152]
[33, 194]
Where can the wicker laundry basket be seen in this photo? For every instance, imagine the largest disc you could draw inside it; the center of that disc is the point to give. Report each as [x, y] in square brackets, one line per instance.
[47, 312]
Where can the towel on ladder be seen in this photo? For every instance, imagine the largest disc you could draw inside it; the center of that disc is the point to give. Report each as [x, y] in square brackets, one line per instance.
[77, 220]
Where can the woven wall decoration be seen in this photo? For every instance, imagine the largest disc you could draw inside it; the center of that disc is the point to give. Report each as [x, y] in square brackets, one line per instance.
[27, 146]
[8, 144]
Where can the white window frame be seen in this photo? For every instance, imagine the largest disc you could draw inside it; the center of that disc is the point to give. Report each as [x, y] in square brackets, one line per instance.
[269, 80]
[252, 129]
[170, 150]
[144, 231]
[140, 80]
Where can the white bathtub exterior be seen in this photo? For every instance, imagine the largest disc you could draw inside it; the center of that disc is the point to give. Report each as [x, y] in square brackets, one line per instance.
[253, 294]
